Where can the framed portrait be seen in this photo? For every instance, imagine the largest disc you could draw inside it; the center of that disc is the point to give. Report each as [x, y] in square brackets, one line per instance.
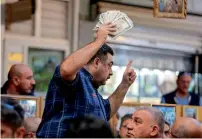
[125, 108]
[170, 8]
[190, 111]
[30, 104]
[169, 111]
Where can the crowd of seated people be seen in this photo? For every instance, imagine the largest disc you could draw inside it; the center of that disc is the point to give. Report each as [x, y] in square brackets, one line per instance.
[145, 122]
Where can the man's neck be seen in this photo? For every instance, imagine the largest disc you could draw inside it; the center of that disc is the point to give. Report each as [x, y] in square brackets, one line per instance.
[91, 71]
[181, 94]
[12, 90]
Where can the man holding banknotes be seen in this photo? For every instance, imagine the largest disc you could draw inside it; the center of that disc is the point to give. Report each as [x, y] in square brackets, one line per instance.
[73, 88]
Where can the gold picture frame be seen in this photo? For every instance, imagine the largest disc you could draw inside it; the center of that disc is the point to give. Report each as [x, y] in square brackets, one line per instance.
[42, 105]
[191, 111]
[171, 111]
[170, 8]
[30, 104]
[117, 117]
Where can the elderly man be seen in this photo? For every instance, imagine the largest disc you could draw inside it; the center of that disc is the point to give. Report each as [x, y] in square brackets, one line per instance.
[147, 122]
[31, 125]
[20, 81]
[186, 127]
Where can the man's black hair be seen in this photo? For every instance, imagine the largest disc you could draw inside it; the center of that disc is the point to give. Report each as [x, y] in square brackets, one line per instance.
[88, 127]
[102, 52]
[12, 114]
[125, 117]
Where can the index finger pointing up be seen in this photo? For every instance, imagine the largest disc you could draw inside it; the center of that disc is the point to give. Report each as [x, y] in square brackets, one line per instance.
[129, 64]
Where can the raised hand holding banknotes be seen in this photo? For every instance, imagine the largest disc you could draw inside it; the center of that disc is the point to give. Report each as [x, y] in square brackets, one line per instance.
[105, 30]
[121, 20]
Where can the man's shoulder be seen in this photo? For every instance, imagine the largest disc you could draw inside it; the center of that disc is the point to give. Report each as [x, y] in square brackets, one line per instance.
[170, 94]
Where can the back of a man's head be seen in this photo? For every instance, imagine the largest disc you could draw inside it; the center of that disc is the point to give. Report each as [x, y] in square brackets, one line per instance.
[88, 127]
[12, 118]
[186, 127]
[31, 125]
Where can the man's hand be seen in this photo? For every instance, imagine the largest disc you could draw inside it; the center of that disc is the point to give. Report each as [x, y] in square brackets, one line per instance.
[129, 75]
[105, 30]
[116, 99]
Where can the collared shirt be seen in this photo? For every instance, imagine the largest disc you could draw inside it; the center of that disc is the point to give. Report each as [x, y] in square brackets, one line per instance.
[179, 100]
[67, 100]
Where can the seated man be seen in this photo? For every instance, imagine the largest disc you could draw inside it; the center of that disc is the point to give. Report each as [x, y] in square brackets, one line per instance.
[166, 130]
[88, 127]
[31, 125]
[186, 127]
[147, 122]
[20, 81]
[181, 95]
[123, 126]
[12, 117]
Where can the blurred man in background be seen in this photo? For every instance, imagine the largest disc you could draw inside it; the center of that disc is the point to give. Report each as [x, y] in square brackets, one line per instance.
[123, 126]
[181, 95]
[12, 118]
[186, 127]
[31, 125]
[147, 122]
[20, 81]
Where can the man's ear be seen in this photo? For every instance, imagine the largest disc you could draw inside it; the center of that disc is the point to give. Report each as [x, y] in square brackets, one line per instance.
[154, 131]
[20, 132]
[16, 80]
[96, 62]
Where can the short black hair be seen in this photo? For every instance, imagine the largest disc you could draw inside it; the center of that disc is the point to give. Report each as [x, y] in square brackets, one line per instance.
[102, 52]
[125, 117]
[88, 127]
[182, 73]
[12, 114]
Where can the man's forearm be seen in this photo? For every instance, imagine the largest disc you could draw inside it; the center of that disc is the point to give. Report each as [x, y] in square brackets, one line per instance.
[117, 97]
[78, 59]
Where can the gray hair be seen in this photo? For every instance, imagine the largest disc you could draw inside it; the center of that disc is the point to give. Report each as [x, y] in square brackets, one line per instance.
[157, 116]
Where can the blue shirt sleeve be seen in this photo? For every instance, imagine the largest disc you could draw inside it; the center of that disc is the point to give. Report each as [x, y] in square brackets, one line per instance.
[58, 78]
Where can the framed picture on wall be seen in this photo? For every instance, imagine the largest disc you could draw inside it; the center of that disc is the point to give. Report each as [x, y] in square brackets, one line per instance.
[170, 8]
[169, 111]
[126, 108]
[190, 111]
[30, 104]
[43, 63]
